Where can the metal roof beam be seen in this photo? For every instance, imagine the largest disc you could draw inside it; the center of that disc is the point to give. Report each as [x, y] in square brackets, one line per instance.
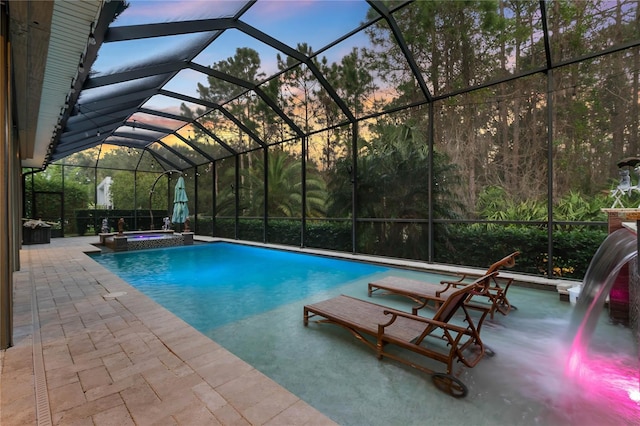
[165, 114]
[186, 98]
[124, 140]
[118, 109]
[175, 133]
[134, 32]
[241, 125]
[176, 153]
[161, 159]
[214, 137]
[135, 136]
[265, 38]
[62, 152]
[397, 34]
[148, 141]
[125, 143]
[164, 130]
[139, 96]
[251, 86]
[137, 32]
[194, 123]
[161, 71]
[82, 124]
[194, 147]
[218, 107]
[70, 139]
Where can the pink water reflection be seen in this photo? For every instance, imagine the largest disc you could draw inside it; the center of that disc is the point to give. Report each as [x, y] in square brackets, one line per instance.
[606, 381]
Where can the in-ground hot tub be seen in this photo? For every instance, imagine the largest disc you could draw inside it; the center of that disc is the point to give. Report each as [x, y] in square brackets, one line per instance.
[140, 240]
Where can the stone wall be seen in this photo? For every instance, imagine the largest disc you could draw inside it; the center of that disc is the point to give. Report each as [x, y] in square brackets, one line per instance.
[143, 240]
[628, 280]
[152, 243]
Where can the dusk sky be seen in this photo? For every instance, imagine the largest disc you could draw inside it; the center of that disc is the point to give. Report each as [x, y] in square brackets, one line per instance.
[316, 22]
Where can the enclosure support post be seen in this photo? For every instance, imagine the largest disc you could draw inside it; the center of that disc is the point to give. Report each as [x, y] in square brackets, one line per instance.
[236, 191]
[303, 177]
[153, 188]
[214, 199]
[354, 187]
[195, 198]
[135, 200]
[550, 172]
[7, 168]
[265, 185]
[430, 245]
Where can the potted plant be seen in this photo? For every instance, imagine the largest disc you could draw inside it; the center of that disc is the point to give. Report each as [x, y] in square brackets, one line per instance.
[36, 232]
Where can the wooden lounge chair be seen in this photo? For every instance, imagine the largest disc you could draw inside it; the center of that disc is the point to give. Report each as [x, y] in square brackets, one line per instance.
[423, 292]
[437, 338]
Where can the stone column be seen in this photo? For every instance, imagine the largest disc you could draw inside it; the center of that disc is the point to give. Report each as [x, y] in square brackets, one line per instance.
[619, 297]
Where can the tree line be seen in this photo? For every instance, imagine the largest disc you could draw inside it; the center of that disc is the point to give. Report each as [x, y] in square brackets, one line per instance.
[492, 157]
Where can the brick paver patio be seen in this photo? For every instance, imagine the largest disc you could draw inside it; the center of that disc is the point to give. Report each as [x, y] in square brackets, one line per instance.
[91, 350]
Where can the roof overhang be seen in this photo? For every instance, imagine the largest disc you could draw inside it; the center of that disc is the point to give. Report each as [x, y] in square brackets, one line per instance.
[47, 41]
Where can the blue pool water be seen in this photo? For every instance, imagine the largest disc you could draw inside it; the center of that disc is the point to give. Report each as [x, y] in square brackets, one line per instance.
[250, 300]
[211, 285]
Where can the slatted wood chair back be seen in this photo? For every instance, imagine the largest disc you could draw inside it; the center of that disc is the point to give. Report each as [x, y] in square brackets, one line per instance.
[450, 306]
[505, 262]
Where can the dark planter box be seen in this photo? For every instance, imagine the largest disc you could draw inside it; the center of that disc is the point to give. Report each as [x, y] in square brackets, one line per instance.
[39, 235]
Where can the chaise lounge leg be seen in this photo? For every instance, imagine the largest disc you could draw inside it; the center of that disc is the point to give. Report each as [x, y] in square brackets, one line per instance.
[379, 346]
[450, 384]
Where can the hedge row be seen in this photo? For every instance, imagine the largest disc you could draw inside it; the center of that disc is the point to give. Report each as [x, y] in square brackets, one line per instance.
[454, 244]
[465, 244]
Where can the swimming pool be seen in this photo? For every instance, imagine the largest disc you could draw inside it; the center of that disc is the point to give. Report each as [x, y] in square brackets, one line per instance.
[260, 321]
[210, 285]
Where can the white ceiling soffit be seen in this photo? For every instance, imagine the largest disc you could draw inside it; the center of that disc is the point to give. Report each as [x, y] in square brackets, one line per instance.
[70, 27]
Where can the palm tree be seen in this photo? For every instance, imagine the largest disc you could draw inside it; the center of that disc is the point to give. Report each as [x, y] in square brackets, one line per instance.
[393, 184]
[284, 187]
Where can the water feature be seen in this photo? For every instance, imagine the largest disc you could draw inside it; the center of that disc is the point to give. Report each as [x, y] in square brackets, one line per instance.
[141, 240]
[617, 249]
[211, 285]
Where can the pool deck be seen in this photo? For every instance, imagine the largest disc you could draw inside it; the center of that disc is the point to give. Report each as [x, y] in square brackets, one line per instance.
[85, 353]
[89, 349]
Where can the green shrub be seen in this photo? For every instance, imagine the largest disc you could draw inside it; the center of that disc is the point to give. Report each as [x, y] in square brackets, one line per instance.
[456, 244]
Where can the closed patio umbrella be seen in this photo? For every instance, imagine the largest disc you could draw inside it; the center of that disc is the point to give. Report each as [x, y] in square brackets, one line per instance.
[180, 208]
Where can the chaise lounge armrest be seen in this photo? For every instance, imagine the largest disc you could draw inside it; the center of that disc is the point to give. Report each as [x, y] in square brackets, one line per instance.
[427, 321]
[500, 282]
[458, 338]
[483, 309]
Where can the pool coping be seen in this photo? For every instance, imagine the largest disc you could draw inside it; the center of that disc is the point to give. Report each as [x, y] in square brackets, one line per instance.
[561, 285]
